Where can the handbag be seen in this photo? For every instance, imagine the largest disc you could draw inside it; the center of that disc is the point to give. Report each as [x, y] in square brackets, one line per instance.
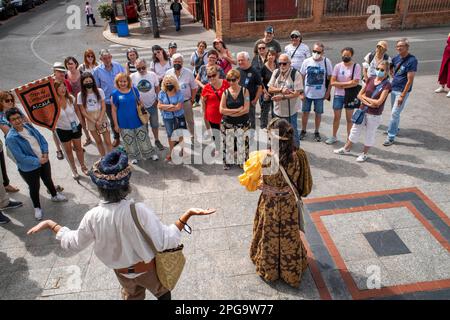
[351, 94]
[142, 112]
[169, 263]
[298, 200]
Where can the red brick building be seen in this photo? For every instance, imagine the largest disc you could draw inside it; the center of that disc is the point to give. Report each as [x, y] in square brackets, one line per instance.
[246, 19]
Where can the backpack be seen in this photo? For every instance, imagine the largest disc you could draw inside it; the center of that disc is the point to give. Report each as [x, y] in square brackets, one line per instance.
[372, 56]
[198, 62]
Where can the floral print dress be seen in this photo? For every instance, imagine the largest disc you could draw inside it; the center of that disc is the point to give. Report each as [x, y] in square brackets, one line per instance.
[277, 249]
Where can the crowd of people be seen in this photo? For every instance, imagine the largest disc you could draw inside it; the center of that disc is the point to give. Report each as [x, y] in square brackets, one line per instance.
[104, 99]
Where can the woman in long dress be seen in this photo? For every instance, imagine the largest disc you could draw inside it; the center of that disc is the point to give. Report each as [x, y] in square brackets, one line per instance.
[277, 249]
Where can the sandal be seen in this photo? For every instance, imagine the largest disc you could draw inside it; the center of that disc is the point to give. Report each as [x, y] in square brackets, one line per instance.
[85, 170]
[9, 188]
[59, 155]
[87, 142]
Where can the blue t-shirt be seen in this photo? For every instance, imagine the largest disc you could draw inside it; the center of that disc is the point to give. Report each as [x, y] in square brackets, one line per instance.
[401, 76]
[165, 99]
[126, 105]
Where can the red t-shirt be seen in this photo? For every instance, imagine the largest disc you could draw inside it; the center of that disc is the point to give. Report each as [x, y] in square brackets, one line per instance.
[212, 105]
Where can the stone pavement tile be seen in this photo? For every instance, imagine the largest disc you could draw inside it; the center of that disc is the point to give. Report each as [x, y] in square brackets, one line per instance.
[252, 287]
[26, 284]
[211, 240]
[14, 238]
[13, 259]
[444, 206]
[64, 280]
[437, 192]
[433, 295]
[69, 296]
[69, 258]
[424, 210]
[363, 271]
[399, 218]
[421, 242]
[41, 257]
[306, 291]
[240, 236]
[322, 257]
[409, 268]
[386, 243]
[341, 224]
[336, 285]
[111, 294]
[371, 221]
[99, 277]
[236, 262]
[5, 279]
[354, 247]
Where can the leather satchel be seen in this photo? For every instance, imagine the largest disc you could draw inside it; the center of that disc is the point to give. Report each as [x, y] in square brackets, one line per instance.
[298, 200]
[144, 116]
[169, 263]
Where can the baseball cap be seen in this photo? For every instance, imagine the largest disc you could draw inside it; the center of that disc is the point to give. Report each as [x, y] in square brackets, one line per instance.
[59, 66]
[383, 44]
[269, 29]
[296, 33]
[172, 45]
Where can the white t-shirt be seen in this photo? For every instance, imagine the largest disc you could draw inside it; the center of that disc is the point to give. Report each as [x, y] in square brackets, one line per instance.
[32, 141]
[67, 116]
[161, 70]
[299, 56]
[371, 68]
[146, 86]
[92, 103]
[186, 81]
[344, 74]
[314, 73]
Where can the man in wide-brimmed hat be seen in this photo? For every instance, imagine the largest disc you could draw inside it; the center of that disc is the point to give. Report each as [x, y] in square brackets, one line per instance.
[117, 241]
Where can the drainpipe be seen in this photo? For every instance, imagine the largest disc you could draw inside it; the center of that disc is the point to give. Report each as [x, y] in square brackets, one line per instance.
[405, 13]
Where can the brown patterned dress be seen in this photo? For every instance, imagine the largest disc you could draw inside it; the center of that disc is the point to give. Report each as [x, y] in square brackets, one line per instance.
[277, 249]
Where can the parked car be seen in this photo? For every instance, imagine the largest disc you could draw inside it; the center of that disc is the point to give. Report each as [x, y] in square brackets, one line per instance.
[23, 5]
[7, 9]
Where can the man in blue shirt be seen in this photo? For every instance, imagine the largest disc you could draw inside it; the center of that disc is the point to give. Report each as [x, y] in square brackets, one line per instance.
[104, 76]
[403, 70]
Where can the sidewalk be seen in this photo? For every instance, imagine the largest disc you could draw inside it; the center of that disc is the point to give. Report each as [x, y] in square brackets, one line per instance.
[187, 37]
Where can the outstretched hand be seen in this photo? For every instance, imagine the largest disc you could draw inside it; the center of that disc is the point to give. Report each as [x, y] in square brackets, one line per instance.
[41, 226]
[200, 212]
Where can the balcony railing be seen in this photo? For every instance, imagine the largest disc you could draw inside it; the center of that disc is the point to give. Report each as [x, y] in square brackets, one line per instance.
[337, 8]
[428, 5]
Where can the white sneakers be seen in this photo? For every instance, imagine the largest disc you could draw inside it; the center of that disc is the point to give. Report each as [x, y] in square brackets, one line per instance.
[59, 198]
[38, 214]
[341, 151]
[442, 89]
[362, 157]
[134, 161]
[155, 157]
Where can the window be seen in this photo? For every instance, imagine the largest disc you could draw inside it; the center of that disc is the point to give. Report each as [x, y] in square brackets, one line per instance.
[336, 6]
[255, 10]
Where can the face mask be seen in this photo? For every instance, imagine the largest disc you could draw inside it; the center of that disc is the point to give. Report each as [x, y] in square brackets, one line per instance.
[177, 66]
[316, 56]
[346, 59]
[170, 87]
[89, 85]
[380, 74]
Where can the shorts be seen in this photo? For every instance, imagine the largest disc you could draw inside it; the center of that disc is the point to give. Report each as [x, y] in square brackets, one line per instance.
[318, 105]
[153, 112]
[338, 102]
[95, 114]
[69, 135]
[169, 124]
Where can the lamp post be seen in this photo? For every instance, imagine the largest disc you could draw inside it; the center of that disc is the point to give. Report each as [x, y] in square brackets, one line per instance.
[154, 21]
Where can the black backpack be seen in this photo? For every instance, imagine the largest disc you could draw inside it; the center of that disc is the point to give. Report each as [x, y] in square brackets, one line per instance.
[372, 56]
[199, 61]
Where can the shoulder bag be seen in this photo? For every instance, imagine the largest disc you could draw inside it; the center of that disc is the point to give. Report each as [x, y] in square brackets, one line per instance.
[169, 263]
[142, 112]
[298, 200]
[351, 94]
[358, 115]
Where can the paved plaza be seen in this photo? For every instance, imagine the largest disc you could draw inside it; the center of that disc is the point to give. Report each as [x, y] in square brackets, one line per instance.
[384, 222]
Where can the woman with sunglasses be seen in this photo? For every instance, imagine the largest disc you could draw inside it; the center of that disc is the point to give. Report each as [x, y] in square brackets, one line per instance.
[74, 75]
[7, 102]
[91, 101]
[68, 128]
[225, 59]
[211, 97]
[132, 56]
[89, 62]
[161, 62]
[297, 50]
[372, 96]
[260, 58]
[235, 107]
[266, 74]
[277, 249]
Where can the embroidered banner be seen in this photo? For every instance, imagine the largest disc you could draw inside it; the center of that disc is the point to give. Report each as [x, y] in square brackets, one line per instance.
[38, 99]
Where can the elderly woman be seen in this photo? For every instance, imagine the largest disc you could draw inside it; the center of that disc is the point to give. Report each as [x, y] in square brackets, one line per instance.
[124, 104]
[118, 243]
[170, 102]
[211, 96]
[226, 59]
[277, 249]
[372, 96]
[7, 101]
[234, 107]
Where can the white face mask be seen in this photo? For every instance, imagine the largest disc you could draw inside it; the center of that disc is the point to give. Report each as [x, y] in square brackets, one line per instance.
[316, 56]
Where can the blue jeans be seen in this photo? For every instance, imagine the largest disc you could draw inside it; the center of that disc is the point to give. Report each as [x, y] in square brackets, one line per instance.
[293, 121]
[177, 20]
[395, 115]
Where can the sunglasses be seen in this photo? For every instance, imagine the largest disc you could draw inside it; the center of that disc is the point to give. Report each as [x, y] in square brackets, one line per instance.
[232, 79]
[379, 69]
[294, 37]
[315, 51]
[90, 56]
[212, 75]
[8, 100]
[141, 68]
[261, 48]
[284, 63]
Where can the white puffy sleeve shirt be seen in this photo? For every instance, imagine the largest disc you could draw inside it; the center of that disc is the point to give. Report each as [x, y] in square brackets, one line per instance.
[117, 241]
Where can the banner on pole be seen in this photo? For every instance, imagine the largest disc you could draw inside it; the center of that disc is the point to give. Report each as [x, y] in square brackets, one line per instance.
[38, 99]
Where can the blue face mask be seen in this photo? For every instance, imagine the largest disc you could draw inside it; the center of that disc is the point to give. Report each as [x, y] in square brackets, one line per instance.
[380, 74]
